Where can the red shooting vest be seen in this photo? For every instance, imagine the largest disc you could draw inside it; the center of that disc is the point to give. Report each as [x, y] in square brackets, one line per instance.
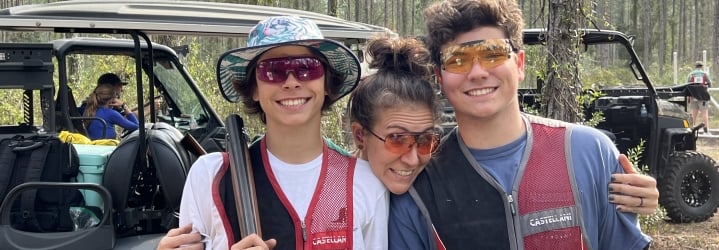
[547, 197]
[329, 220]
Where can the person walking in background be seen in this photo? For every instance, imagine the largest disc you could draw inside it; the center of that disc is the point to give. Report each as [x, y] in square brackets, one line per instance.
[698, 102]
[98, 105]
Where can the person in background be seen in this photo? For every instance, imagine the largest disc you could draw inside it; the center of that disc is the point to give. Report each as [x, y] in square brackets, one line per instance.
[698, 104]
[503, 179]
[310, 194]
[118, 84]
[98, 105]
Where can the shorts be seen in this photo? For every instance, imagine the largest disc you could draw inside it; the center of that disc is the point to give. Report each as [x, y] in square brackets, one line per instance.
[698, 105]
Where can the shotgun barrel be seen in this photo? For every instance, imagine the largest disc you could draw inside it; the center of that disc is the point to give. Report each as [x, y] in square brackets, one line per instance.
[243, 185]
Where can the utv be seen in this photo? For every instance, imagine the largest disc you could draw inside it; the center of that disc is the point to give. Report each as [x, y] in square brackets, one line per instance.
[134, 188]
[638, 115]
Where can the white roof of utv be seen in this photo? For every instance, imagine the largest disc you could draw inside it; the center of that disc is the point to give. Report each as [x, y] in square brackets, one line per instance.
[168, 17]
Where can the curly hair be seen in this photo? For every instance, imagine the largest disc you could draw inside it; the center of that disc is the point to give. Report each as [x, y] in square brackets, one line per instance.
[248, 87]
[446, 19]
[402, 78]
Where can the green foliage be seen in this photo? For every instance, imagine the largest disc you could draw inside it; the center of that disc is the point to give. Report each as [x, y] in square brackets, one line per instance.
[649, 223]
[12, 107]
[597, 117]
[635, 154]
[531, 110]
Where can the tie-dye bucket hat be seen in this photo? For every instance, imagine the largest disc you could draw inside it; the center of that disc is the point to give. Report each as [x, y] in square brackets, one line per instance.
[286, 30]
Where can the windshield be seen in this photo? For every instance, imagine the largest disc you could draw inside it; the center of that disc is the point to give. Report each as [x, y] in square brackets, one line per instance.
[178, 91]
[187, 111]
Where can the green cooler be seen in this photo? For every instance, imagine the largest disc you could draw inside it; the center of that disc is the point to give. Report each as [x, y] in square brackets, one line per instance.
[92, 166]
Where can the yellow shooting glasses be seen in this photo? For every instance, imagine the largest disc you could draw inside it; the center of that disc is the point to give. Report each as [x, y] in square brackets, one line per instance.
[489, 53]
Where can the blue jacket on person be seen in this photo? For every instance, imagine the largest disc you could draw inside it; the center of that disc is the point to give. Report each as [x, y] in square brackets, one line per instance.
[112, 118]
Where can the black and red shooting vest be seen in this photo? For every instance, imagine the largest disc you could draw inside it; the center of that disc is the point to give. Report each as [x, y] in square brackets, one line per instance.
[469, 209]
[328, 223]
[698, 89]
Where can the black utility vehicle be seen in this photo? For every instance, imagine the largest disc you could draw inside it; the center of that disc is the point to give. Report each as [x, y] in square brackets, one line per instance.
[636, 112]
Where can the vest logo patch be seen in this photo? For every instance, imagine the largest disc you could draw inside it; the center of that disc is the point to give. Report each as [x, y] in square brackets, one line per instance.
[329, 240]
[341, 216]
[548, 220]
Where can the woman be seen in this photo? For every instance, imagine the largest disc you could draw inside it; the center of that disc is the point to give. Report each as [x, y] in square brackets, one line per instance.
[309, 195]
[98, 105]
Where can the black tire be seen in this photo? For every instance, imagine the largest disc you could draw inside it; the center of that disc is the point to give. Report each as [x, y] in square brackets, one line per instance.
[689, 187]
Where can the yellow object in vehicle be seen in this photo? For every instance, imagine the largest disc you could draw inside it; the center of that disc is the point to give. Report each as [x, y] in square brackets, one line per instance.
[76, 138]
[106, 142]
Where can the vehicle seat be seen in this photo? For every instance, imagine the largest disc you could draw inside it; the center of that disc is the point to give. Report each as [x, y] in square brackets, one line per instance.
[171, 159]
[72, 121]
[146, 195]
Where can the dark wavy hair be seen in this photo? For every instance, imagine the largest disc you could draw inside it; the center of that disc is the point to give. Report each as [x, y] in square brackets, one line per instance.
[446, 19]
[248, 87]
[402, 78]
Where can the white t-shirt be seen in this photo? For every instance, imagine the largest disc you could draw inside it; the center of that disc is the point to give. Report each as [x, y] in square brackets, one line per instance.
[370, 199]
[300, 178]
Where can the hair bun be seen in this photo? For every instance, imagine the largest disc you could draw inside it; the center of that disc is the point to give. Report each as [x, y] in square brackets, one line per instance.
[399, 54]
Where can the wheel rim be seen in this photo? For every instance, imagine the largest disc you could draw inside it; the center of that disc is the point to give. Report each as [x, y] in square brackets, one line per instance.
[696, 188]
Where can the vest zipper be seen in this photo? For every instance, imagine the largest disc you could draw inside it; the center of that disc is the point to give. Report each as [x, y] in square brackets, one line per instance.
[304, 232]
[510, 199]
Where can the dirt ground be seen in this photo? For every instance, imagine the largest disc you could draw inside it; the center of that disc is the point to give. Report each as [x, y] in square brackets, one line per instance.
[703, 235]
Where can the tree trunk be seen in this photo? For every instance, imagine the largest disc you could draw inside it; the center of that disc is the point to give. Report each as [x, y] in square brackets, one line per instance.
[646, 30]
[402, 18]
[715, 47]
[358, 9]
[673, 32]
[662, 34]
[348, 12]
[367, 11]
[635, 16]
[385, 12]
[694, 31]
[604, 51]
[414, 16]
[332, 8]
[683, 31]
[562, 85]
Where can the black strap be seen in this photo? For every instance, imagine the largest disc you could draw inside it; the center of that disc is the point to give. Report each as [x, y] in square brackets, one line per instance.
[34, 173]
[7, 163]
[698, 92]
